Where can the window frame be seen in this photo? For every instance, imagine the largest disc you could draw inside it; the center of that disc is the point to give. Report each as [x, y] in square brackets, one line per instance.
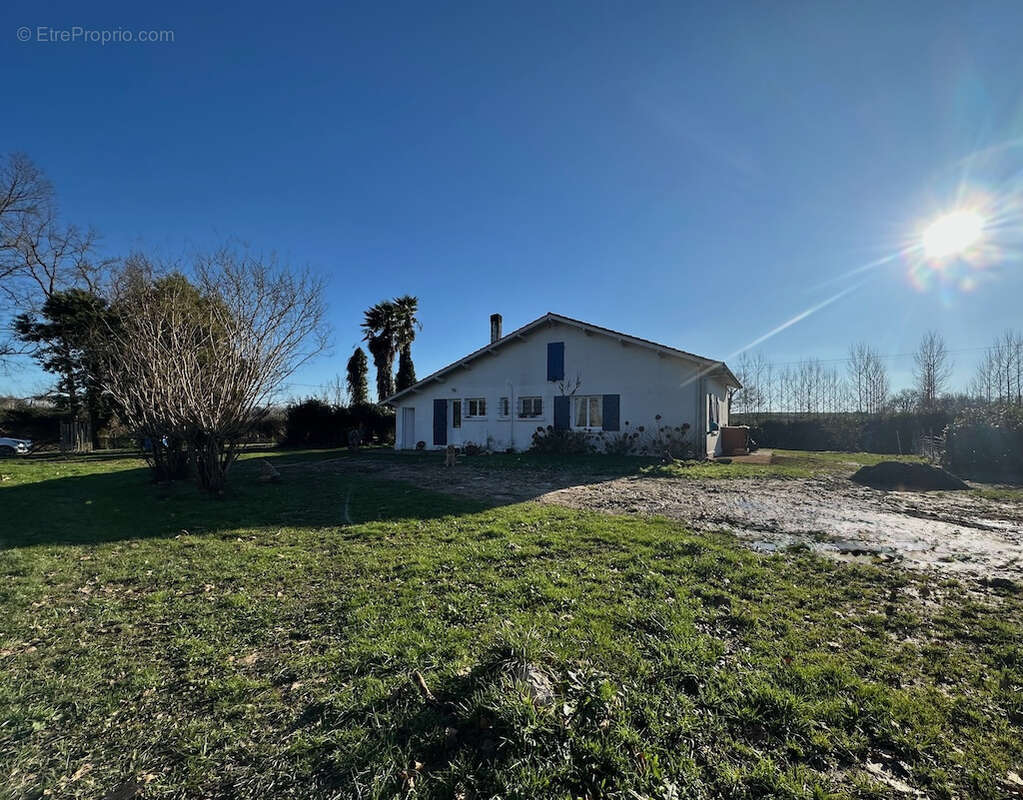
[589, 426]
[533, 399]
[503, 407]
[456, 414]
[479, 401]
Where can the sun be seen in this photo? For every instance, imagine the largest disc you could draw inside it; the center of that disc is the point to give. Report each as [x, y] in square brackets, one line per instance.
[952, 234]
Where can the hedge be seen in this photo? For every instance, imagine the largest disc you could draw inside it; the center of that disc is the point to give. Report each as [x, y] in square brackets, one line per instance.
[313, 423]
[986, 444]
[894, 433]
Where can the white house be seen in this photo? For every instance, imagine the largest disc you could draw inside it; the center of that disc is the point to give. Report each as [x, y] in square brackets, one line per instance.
[568, 374]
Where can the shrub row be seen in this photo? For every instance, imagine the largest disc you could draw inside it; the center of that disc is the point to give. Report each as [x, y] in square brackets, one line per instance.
[986, 444]
[895, 433]
[41, 425]
[313, 423]
[665, 441]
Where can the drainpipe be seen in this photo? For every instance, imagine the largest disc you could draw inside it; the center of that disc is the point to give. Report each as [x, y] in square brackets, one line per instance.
[511, 414]
[701, 415]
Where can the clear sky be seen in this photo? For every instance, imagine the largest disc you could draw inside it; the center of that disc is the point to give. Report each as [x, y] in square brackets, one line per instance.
[695, 174]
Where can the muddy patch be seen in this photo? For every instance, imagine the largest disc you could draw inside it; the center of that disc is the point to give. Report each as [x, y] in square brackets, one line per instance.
[953, 532]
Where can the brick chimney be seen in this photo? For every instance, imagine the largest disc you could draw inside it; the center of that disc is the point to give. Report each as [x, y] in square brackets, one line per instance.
[495, 327]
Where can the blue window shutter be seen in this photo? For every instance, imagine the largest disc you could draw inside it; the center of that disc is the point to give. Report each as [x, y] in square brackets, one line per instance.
[561, 413]
[555, 361]
[440, 422]
[612, 403]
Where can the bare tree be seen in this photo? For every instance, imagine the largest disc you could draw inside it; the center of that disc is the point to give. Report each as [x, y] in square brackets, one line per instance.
[999, 375]
[1008, 368]
[39, 255]
[985, 385]
[755, 373]
[868, 379]
[877, 384]
[767, 388]
[933, 367]
[24, 193]
[858, 356]
[333, 391]
[197, 361]
[804, 388]
[742, 398]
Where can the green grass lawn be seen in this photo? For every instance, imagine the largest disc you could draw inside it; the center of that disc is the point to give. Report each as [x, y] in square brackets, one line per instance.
[1011, 494]
[259, 647]
[785, 464]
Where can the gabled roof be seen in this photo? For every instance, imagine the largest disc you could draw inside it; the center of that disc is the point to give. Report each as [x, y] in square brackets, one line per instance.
[708, 365]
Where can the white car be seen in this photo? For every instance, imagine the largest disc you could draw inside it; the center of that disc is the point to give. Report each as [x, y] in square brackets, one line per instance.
[14, 447]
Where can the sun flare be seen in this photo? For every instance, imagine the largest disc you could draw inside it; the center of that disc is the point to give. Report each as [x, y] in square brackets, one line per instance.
[952, 233]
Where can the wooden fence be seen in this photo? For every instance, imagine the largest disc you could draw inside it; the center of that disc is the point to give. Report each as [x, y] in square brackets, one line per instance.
[75, 437]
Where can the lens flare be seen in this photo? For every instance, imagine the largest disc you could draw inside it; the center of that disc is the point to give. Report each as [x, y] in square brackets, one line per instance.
[953, 255]
[953, 234]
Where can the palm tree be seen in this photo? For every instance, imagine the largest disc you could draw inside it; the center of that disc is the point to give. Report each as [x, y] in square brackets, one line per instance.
[406, 324]
[379, 324]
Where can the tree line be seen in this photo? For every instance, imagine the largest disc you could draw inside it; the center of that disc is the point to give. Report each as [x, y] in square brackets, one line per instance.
[999, 375]
[863, 384]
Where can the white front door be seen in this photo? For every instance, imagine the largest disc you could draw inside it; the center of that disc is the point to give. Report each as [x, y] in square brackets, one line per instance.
[408, 429]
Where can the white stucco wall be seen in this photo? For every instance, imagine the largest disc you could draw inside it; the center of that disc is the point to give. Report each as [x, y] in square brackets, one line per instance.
[648, 384]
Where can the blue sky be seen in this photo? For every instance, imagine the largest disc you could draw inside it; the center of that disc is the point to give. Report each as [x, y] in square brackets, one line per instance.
[691, 174]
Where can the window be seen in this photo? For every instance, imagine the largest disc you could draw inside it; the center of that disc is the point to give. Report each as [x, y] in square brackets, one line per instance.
[530, 407]
[589, 412]
[503, 407]
[476, 407]
[714, 412]
[555, 361]
[456, 414]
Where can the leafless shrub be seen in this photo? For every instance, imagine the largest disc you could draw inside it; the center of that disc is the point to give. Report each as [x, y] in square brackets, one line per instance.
[195, 361]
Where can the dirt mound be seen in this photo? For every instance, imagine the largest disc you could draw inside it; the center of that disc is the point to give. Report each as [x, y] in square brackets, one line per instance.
[901, 476]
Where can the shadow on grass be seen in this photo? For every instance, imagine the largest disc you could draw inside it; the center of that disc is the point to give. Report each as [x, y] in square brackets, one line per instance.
[109, 497]
[115, 502]
[54, 456]
[106, 497]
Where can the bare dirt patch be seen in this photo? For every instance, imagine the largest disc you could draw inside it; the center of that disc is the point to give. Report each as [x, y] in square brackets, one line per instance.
[950, 532]
[954, 532]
